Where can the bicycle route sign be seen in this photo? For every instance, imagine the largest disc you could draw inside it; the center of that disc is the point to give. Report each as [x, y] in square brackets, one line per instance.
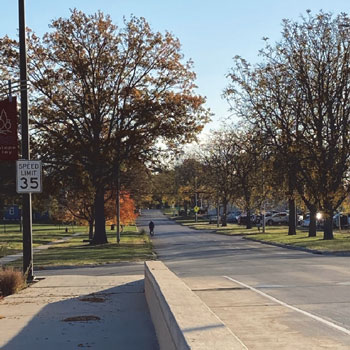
[28, 176]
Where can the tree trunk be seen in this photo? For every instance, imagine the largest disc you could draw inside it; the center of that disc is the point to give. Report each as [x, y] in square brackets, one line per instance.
[224, 214]
[185, 207]
[91, 229]
[292, 215]
[291, 199]
[328, 225]
[218, 213]
[100, 236]
[312, 226]
[249, 223]
[118, 203]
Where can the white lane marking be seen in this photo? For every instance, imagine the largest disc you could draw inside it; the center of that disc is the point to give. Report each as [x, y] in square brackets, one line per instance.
[317, 318]
[343, 283]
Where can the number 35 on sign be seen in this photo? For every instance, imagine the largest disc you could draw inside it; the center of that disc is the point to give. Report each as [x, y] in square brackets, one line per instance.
[28, 176]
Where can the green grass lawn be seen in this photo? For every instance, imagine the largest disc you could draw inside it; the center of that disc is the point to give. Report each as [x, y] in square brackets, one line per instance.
[133, 247]
[11, 236]
[340, 243]
[277, 234]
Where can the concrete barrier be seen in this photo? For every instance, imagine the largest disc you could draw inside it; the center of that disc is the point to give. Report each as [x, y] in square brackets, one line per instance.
[181, 320]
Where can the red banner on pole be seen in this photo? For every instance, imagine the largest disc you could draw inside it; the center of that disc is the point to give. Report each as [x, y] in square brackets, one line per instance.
[8, 130]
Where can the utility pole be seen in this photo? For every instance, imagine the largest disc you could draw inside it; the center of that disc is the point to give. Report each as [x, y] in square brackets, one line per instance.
[118, 201]
[195, 197]
[218, 211]
[27, 199]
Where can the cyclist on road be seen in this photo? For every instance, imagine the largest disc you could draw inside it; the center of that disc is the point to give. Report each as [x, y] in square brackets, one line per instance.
[151, 228]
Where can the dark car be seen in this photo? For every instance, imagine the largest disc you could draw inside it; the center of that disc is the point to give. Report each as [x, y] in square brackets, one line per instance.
[233, 217]
[213, 219]
[343, 218]
[242, 219]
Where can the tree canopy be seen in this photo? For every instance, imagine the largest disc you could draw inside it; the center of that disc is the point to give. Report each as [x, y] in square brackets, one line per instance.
[299, 97]
[102, 95]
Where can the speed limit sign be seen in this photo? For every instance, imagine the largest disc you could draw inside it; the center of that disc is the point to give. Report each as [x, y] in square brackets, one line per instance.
[28, 176]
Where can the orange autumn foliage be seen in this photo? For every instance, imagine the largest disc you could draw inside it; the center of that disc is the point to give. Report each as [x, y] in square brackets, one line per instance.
[127, 210]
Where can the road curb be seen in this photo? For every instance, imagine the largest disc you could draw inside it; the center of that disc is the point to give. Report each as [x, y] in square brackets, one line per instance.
[181, 320]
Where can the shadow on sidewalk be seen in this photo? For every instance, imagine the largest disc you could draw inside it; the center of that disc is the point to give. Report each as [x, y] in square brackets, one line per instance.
[114, 318]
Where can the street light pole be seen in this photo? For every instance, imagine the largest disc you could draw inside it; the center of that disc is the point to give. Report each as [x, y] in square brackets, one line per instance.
[27, 200]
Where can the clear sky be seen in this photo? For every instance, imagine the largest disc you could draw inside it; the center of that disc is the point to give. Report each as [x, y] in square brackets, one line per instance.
[211, 31]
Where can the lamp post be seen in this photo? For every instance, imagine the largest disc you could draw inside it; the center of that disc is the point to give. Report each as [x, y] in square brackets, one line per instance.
[27, 200]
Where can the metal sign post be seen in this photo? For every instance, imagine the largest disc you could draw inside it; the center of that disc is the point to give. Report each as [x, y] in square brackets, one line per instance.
[27, 200]
[196, 210]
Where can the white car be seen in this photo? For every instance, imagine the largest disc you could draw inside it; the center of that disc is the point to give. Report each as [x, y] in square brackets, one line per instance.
[306, 221]
[277, 219]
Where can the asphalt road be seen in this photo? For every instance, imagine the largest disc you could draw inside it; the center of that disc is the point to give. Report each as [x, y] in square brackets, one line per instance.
[271, 297]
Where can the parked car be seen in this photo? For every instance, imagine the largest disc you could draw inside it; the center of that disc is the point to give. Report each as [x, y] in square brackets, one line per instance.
[344, 220]
[258, 219]
[213, 219]
[306, 220]
[268, 215]
[233, 216]
[242, 219]
[277, 218]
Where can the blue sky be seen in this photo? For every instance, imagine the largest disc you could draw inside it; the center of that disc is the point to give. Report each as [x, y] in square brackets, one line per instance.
[211, 32]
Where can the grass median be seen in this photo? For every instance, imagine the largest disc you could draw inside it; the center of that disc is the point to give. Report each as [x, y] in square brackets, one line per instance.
[340, 243]
[276, 234]
[134, 246]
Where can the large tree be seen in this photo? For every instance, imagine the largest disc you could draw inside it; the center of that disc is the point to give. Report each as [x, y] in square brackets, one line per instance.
[103, 95]
[234, 168]
[300, 96]
[317, 53]
[189, 180]
[218, 159]
[248, 163]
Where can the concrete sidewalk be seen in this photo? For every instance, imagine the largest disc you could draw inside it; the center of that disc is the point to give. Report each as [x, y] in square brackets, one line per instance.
[95, 308]
[261, 323]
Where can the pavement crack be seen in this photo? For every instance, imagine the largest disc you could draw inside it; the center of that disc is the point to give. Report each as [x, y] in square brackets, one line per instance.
[218, 289]
[241, 306]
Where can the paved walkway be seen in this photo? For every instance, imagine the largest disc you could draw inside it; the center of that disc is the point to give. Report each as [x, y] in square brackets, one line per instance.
[76, 308]
[95, 308]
